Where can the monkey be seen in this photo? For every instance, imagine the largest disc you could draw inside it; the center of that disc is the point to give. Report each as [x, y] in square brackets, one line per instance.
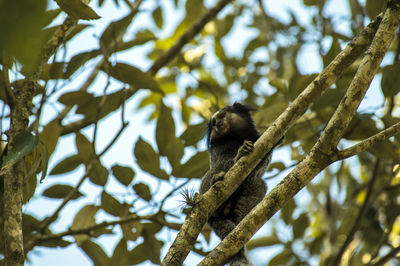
[231, 132]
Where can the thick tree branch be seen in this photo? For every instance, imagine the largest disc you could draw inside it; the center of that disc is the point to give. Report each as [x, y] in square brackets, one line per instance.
[321, 154]
[167, 56]
[219, 192]
[14, 176]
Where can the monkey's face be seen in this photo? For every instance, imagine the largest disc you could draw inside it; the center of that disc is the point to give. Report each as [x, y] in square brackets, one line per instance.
[224, 123]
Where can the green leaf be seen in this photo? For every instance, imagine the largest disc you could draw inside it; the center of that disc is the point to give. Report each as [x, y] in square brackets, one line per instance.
[83, 145]
[95, 253]
[56, 243]
[114, 33]
[123, 174]
[281, 258]
[195, 167]
[148, 159]
[134, 76]
[98, 174]
[45, 161]
[120, 254]
[50, 134]
[194, 133]
[287, 211]
[29, 188]
[60, 191]
[84, 218]
[143, 191]
[333, 51]
[78, 60]
[168, 144]
[77, 97]
[111, 205]
[374, 7]
[158, 17]
[22, 144]
[77, 9]
[300, 225]
[391, 80]
[67, 164]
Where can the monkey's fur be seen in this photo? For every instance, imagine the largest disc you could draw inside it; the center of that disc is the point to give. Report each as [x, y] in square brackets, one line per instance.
[231, 134]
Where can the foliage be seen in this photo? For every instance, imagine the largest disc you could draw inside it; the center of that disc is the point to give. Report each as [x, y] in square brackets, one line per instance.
[89, 93]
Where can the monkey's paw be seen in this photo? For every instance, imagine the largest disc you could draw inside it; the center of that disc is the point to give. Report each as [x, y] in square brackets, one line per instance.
[245, 149]
[218, 177]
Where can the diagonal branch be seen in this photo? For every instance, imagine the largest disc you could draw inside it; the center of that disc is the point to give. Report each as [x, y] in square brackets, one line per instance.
[320, 155]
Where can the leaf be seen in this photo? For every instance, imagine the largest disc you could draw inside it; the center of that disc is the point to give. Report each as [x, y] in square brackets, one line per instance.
[50, 134]
[130, 234]
[195, 167]
[56, 243]
[300, 225]
[148, 159]
[77, 9]
[83, 145]
[45, 161]
[287, 211]
[120, 254]
[123, 174]
[114, 33]
[98, 174]
[143, 191]
[110, 204]
[29, 188]
[158, 17]
[391, 80]
[84, 218]
[168, 144]
[333, 51]
[374, 7]
[95, 253]
[76, 97]
[134, 76]
[60, 191]
[79, 60]
[22, 144]
[281, 258]
[67, 164]
[53, 71]
[194, 133]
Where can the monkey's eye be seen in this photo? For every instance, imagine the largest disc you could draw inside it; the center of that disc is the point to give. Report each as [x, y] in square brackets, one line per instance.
[213, 121]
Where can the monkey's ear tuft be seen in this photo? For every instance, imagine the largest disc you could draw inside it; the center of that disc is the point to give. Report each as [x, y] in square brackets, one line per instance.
[243, 108]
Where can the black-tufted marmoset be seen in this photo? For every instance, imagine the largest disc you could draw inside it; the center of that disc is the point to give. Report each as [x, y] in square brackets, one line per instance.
[231, 134]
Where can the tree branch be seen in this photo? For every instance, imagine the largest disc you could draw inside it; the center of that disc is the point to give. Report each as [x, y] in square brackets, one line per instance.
[320, 155]
[14, 176]
[220, 191]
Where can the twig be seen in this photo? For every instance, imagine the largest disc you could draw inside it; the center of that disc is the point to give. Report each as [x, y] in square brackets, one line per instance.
[9, 93]
[88, 230]
[367, 143]
[387, 257]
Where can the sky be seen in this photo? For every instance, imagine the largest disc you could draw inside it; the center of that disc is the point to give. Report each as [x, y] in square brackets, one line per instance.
[122, 151]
